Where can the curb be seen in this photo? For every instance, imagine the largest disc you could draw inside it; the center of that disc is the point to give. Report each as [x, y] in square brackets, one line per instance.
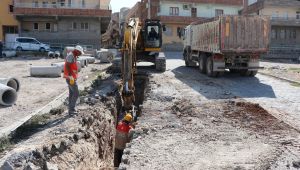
[280, 78]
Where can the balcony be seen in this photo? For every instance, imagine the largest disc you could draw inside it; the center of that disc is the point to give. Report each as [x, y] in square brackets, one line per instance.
[178, 19]
[285, 21]
[61, 9]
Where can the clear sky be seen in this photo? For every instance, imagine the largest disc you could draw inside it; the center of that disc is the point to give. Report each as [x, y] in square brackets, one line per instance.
[116, 5]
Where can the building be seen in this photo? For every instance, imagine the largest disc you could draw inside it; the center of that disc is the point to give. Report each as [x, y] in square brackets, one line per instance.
[285, 25]
[177, 14]
[8, 24]
[65, 22]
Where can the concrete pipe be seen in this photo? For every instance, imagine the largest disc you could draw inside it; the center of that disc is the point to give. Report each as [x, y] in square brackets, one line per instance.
[45, 71]
[50, 54]
[8, 95]
[11, 82]
[56, 54]
[90, 60]
[62, 65]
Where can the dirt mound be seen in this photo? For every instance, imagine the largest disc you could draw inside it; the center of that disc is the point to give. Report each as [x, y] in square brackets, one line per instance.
[184, 108]
[252, 115]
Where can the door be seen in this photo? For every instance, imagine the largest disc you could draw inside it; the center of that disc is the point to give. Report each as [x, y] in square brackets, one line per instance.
[194, 12]
[35, 45]
[23, 43]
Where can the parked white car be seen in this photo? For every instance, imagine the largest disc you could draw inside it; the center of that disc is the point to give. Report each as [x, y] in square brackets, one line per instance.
[8, 53]
[30, 44]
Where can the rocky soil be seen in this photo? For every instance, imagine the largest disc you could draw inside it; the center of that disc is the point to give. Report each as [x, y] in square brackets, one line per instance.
[190, 121]
[83, 141]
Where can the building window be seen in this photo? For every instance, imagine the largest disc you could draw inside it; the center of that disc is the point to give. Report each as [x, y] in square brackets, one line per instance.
[174, 11]
[194, 12]
[298, 15]
[36, 4]
[45, 4]
[53, 4]
[74, 26]
[83, 3]
[48, 26]
[11, 8]
[35, 26]
[62, 3]
[282, 34]
[84, 26]
[219, 12]
[293, 34]
[273, 34]
[69, 3]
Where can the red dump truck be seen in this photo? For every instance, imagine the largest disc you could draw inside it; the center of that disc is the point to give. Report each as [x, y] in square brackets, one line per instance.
[227, 42]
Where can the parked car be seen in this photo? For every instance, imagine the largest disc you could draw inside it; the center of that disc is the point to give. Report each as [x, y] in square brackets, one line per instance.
[30, 44]
[8, 53]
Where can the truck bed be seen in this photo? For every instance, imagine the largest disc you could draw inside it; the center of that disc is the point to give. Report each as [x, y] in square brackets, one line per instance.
[232, 34]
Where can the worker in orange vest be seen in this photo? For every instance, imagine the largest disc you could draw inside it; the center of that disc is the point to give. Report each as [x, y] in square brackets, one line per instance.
[71, 75]
[122, 137]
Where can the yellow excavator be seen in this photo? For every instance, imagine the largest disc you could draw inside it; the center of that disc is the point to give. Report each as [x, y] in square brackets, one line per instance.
[142, 42]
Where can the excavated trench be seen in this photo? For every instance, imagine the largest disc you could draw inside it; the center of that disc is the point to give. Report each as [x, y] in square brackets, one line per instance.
[141, 81]
[84, 141]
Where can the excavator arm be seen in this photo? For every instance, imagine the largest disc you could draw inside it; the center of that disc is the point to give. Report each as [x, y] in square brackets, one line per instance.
[128, 67]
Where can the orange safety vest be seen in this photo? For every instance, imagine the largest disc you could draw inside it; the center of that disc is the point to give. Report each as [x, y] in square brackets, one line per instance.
[122, 136]
[74, 69]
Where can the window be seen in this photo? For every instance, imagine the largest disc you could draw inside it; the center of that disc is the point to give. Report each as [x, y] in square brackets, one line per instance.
[11, 8]
[293, 34]
[273, 34]
[54, 4]
[74, 26]
[282, 34]
[84, 26]
[48, 26]
[35, 26]
[174, 11]
[45, 4]
[36, 4]
[69, 3]
[10, 29]
[298, 15]
[83, 3]
[61, 3]
[194, 12]
[219, 12]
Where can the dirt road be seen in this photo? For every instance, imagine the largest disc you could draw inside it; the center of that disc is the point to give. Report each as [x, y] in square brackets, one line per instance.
[191, 121]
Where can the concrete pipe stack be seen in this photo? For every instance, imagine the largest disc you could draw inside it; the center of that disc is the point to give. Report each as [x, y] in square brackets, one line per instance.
[8, 91]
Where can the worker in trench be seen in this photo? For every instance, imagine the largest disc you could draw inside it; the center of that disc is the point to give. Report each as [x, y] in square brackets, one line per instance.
[71, 75]
[122, 137]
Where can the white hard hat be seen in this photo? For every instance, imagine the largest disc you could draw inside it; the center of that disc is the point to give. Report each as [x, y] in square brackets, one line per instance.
[79, 48]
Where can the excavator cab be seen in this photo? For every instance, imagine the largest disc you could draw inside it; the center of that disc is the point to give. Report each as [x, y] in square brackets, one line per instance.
[152, 34]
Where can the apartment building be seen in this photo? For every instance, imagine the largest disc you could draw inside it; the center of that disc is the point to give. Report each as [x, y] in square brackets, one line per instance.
[65, 22]
[8, 23]
[177, 14]
[285, 25]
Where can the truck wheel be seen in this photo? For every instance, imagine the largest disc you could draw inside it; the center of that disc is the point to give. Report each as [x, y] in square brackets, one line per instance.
[245, 73]
[210, 68]
[202, 63]
[253, 73]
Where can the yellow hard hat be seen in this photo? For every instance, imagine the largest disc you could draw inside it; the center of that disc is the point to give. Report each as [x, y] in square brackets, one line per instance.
[128, 117]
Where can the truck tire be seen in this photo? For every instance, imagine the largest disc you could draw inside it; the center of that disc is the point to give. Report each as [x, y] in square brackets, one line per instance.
[245, 73]
[202, 63]
[209, 68]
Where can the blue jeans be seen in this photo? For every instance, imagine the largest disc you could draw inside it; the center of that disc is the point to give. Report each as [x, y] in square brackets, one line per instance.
[73, 96]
